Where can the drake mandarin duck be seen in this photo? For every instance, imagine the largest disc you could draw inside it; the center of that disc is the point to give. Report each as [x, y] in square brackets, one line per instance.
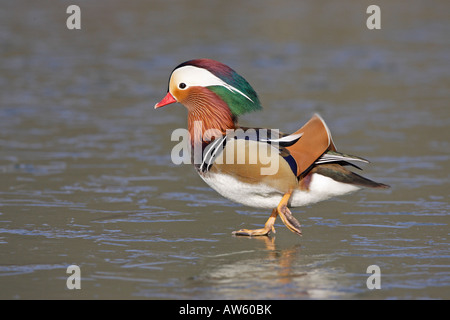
[308, 168]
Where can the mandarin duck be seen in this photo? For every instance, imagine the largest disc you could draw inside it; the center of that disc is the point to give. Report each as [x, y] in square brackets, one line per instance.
[308, 168]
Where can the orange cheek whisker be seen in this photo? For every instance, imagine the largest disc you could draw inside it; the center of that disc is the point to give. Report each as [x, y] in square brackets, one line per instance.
[213, 113]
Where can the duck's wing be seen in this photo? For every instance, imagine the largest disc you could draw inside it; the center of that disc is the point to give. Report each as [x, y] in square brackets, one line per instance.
[315, 140]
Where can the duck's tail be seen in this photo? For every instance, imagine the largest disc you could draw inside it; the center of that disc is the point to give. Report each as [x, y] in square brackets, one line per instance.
[341, 174]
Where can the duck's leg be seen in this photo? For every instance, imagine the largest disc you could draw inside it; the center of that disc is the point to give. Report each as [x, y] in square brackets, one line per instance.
[286, 215]
[268, 227]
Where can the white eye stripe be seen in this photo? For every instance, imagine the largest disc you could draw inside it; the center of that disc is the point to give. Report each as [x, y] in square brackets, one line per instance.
[194, 76]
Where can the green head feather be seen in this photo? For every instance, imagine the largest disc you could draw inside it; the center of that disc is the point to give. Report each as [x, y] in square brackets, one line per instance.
[236, 92]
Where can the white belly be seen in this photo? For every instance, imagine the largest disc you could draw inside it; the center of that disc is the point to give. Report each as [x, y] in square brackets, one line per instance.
[261, 196]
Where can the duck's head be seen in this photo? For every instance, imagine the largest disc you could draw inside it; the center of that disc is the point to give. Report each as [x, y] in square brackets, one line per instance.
[202, 84]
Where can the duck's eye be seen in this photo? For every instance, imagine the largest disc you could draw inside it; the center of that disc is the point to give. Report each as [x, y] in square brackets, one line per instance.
[182, 85]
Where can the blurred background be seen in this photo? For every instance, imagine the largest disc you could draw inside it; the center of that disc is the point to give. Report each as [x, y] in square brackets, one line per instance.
[85, 170]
